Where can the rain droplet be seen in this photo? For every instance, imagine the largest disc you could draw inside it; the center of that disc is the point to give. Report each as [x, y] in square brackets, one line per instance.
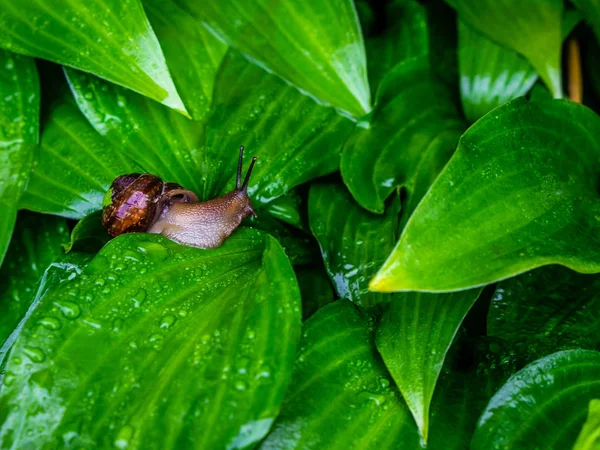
[124, 437]
[240, 385]
[139, 297]
[167, 321]
[9, 378]
[69, 309]
[35, 354]
[50, 323]
[117, 324]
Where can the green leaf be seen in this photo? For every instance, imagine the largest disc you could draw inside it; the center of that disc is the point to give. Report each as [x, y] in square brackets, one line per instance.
[541, 406]
[157, 139]
[530, 27]
[35, 244]
[545, 310]
[74, 168]
[405, 141]
[88, 235]
[341, 395]
[315, 289]
[111, 39]
[287, 209]
[163, 341]
[591, 13]
[490, 74]
[589, 437]
[193, 53]
[413, 343]
[404, 37]
[353, 241]
[295, 138]
[19, 128]
[519, 193]
[315, 46]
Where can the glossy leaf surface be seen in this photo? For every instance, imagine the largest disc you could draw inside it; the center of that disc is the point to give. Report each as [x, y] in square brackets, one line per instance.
[543, 405]
[295, 138]
[406, 141]
[530, 27]
[193, 53]
[404, 37]
[341, 395]
[490, 74]
[551, 308]
[413, 337]
[533, 167]
[74, 168]
[589, 437]
[163, 341]
[88, 235]
[35, 244]
[315, 289]
[353, 241]
[316, 46]
[19, 129]
[111, 39]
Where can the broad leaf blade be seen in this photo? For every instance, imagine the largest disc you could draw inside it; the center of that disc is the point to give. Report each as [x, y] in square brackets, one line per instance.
[530, 27]
[74, 168]
[519, 193]
[193, 53]
[316, 46]
[166, 341]
[35, 244]
[490, 74]
[19, 128]
[589, 437]
[406, 141]
[88, 235]
[543, 405]
[341, 395]
[353, 241]
[545, 310]
[413, 338]
[111, 39]
[591, 13]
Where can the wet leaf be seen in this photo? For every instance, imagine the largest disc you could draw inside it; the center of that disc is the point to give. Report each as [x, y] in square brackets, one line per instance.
[530, 27]
[589, 437]
[341, 395]
[35, 244]
[315, 46]
[88, 235]
[315, 289]
[353, 241]
[551, 308]
[74, 167]
[543, 405]
[163, 341]
[111, 39]
[404, 37]
[193, 53]
[413, 343]
[532, 167]
[19, 128]
[405, 141]
[287, 209]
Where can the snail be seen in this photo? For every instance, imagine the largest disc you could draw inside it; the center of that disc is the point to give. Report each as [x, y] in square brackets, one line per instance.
[144, 203]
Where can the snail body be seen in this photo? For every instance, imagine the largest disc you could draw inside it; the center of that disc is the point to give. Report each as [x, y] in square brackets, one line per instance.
[144, 203]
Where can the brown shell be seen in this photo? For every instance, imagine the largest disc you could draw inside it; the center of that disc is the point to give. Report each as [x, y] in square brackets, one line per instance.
[136, 199]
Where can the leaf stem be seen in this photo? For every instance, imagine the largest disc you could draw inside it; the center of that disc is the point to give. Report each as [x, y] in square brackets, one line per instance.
[575, 82]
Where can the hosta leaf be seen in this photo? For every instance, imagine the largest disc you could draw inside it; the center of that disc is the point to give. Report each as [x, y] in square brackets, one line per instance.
[316, 46]
[589, 437]
[19, 128]
[545, 310]
[406, 141]
[404, 37]
[353, 241]
[35, 244]
[315, 289]
[193, 53]
[490, 74]
[341, 396]
[88, 235]
[295, 138]
[591, 13]
[413, 342]
[543, 405]
[74, 168]
[519, 193]
[287, 209]
[111, 39]
[163, 341]
[530, 27]
[157, 139]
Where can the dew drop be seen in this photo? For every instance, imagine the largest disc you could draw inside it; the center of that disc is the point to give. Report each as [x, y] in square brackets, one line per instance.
[69, 309]
[124, 437]
[139, 297]
[167, 321]
[9, 378]
[117, 324]
[35, 354]
[50, 323]
[240, 385]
